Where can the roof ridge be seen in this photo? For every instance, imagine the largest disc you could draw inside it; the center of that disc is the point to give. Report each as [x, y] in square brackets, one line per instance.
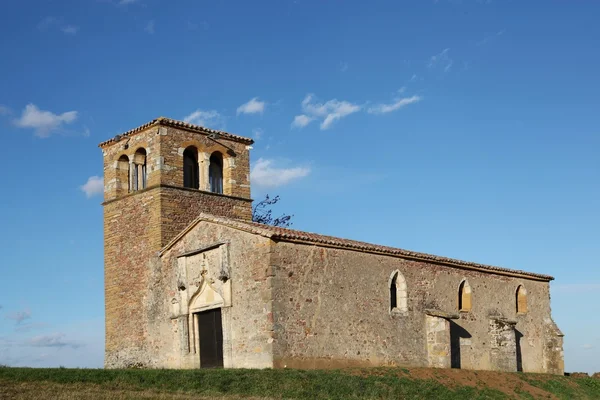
[293, 235]
[177, 124]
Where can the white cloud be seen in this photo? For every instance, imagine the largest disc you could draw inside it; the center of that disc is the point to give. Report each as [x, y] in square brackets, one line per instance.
[209, 118]
[396, 105]
[300, 121]
[47, 22]
[330, 112]
[70, 29]
[94, 186]
[588, 346]
[52, 340]
[149, 27]
[19, 316]
[257, 133]
[442, 59]
[44, 122]
[53, 22]
[265, 174]
[254, 106]
[489, 38]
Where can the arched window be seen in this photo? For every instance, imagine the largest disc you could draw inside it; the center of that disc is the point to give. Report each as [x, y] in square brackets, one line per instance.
[122, 175]
[139, 170]
[190, 168]
[521, 297]
[215, 172]
[464, 296]
[398, 293]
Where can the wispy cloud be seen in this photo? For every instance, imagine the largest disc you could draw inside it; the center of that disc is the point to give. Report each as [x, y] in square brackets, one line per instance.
[22, 328]
[53, 340]
[19, 316]
[329, 112]
[396, 105]
[575, 287]
[257, 133]
[149, 28]
[264, 173]
[4, 110]
[70, 29]
[300, 121]
[57, 23]
[344, 66]
[47, 22]
[94, 186]
[441, 60]
[44, 122]
[588, 346]
[489, 38]
[126, 2]
[253, 106]
[210, 118]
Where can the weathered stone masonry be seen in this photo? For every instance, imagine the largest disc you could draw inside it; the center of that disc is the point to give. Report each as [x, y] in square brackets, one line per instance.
[287, 298]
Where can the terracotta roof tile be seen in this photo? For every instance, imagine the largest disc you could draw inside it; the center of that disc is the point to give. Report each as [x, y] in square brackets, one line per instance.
[284, 234]
[177, 124]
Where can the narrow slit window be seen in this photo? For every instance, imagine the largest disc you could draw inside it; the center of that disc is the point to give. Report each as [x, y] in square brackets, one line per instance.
[139, 170]
[464, 296]
[123, 175]
[398, 292]
[393, 297]
[190, 168]
[215, 173]
[521, 300]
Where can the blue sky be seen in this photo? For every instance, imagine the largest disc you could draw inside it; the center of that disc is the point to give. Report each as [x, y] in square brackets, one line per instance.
[467, 129]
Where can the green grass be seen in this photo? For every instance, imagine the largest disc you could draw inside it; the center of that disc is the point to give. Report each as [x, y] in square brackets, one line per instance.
[566, 387]
[378, 383]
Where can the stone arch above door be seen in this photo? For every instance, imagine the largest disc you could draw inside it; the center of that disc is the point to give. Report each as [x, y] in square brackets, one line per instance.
[205, 298]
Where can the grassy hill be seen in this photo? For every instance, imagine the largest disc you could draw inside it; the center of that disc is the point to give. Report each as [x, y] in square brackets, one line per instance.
[373, 383]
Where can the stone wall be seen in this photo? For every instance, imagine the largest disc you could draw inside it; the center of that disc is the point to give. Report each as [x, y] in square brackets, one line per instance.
[137, 224]
[179, 207]
[503, 346]
[247, 317]
[331, 308]
[131, 233]
[437, 330]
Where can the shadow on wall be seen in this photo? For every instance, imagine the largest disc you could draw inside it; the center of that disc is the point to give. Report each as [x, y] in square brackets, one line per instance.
[456, 333]
[518, 337]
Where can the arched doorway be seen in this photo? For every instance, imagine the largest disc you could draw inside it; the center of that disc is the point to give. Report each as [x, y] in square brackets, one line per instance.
[207, 323]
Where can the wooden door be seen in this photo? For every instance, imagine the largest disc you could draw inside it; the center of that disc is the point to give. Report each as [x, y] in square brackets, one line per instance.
[211, 338]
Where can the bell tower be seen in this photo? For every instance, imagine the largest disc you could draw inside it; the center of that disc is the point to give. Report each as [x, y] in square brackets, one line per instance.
[157, 179]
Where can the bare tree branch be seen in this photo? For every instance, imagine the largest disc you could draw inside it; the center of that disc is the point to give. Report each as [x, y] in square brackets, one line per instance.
[262, 213]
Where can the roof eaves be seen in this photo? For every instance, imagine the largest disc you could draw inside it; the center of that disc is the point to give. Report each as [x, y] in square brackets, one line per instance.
[414, 256]
[292, 236]
[176, 124]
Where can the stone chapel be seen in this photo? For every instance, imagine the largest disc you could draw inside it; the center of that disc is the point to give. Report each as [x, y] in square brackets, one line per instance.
[192, 282]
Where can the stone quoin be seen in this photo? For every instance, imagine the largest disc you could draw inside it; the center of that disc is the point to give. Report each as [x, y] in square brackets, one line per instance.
[192, 282]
